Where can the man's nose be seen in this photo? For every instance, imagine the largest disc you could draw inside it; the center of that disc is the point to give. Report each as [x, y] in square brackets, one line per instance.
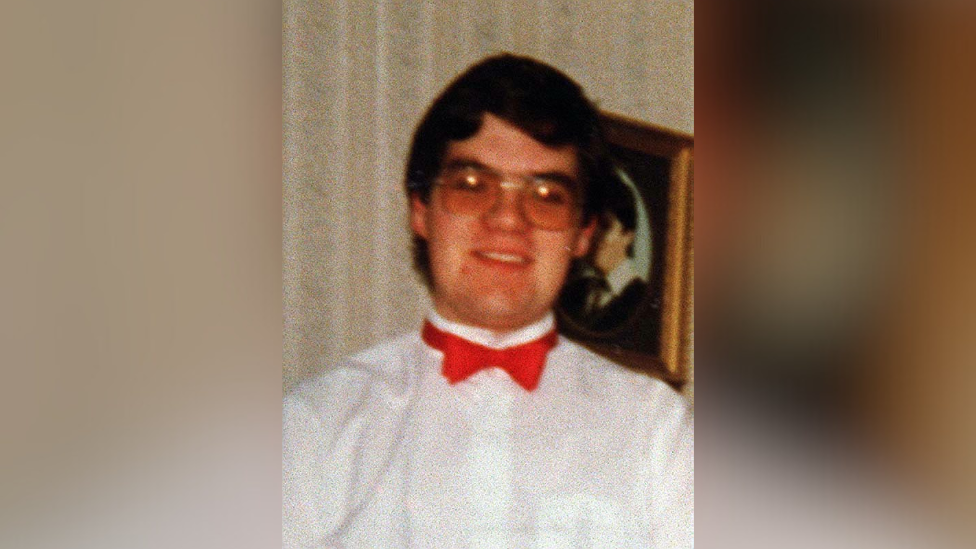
[508, 211]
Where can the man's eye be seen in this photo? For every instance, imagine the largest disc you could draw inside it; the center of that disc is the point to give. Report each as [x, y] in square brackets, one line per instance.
[468, 182]
[553, 194]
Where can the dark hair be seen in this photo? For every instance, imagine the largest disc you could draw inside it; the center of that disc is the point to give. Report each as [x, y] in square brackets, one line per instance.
[532, 96]
[619, 201]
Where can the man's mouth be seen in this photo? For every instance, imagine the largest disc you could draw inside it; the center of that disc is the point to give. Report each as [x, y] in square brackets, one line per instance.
[503, 257]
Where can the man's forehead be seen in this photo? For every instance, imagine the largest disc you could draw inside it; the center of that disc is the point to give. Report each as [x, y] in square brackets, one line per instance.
[502, 146]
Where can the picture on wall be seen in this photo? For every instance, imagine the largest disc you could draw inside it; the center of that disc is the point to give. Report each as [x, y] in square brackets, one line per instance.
[629, 297]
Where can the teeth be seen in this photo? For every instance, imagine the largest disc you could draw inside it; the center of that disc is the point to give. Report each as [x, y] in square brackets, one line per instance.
[506, 258]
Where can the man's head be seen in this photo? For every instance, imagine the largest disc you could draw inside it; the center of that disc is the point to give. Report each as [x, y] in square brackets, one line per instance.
[616, 228]
[524, 133]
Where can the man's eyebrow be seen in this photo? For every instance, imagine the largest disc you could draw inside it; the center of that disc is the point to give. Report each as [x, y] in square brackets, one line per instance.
[462, 163]
[560, 177]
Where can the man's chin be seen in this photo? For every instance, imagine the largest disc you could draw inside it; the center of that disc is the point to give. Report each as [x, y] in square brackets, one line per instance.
[505, 315]
[498, 309]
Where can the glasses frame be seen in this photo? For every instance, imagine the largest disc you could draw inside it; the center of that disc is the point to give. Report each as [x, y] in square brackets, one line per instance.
[523, 183]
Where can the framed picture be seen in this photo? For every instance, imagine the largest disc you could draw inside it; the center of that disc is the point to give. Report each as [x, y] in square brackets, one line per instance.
[630, 298]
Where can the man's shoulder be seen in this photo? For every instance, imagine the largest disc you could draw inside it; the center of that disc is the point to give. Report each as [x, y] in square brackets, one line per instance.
[386, 367]
[602, 379]
[387, 354]
[628, 408]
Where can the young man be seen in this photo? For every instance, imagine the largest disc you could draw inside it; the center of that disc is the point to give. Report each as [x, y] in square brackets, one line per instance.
[486, 429]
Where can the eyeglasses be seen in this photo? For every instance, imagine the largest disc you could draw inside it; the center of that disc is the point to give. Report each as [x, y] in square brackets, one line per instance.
[549, 202]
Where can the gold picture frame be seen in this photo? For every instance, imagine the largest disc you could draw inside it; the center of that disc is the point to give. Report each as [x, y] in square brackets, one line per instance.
[648, 325]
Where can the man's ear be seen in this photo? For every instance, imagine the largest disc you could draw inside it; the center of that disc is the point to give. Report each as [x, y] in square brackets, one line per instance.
[418, 215]
[584, 238]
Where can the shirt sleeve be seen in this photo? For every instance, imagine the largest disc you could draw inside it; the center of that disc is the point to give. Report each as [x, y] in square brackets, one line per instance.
[314, 497]
[671, 478]
[338, 436]
[676, 502]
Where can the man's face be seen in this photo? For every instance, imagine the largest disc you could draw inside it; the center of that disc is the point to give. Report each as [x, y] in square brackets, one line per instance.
[612, 247]
[497, 270]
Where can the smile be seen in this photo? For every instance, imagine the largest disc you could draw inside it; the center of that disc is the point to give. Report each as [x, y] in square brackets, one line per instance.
[502, 257]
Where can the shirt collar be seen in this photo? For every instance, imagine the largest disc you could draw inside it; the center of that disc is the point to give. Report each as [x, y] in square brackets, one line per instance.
[492, 339]
[620, 277]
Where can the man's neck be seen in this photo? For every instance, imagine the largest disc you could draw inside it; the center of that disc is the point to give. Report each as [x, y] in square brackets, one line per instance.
[493, 338]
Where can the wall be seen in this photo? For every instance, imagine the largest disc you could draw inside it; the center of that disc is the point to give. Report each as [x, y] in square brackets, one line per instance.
[358, 75]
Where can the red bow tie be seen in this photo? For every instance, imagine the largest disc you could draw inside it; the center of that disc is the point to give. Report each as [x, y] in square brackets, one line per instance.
[463, 358]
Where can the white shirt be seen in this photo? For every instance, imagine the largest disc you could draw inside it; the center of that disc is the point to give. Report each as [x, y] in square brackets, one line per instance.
[383, 452]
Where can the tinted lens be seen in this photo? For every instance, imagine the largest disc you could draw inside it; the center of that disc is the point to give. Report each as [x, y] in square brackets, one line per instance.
[468, 192]
[550, 204]
[547, 204]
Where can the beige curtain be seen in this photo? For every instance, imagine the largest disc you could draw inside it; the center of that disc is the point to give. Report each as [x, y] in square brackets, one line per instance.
[358, 75]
